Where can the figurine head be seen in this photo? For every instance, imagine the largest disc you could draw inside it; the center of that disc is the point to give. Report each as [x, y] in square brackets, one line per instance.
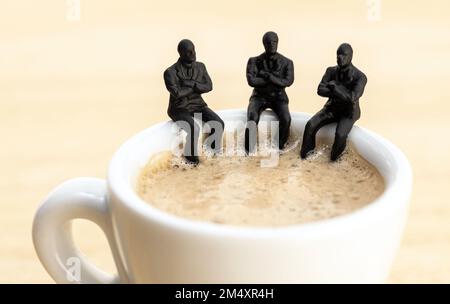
[270, 41]
[186, 49]
[344, 55]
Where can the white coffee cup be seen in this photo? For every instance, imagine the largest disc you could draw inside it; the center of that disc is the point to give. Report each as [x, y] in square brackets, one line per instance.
[151, 246]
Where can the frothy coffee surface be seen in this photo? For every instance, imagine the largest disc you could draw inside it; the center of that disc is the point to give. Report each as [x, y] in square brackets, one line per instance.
[236, 190]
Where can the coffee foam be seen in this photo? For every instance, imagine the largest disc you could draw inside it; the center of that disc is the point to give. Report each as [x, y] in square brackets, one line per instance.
[234, 189]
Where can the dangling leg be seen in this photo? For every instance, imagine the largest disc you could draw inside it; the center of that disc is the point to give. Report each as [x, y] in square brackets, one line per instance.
[284, 117]
[255, 107]
[185, 120]
[217, 126]
[343, 128]
[322, 118]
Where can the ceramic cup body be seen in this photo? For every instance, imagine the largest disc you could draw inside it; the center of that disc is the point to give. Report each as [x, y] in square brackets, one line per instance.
[151, 246]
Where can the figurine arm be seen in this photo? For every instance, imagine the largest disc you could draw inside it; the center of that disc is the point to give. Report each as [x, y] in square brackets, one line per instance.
[358, 91]
[252, 72]
[351, 95]
[206, 84]
[287, 80]
[342, 93]
[172, 86]
[323, 89]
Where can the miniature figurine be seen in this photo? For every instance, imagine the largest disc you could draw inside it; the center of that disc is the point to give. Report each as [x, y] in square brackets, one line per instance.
[269, 74]
[186, 80]
[343, 85]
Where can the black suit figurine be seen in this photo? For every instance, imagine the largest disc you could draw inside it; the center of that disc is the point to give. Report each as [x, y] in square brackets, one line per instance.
[186, 80]
[343, 85]
[269, 74]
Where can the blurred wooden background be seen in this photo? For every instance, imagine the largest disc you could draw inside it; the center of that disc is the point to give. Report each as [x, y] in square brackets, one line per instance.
[73, 89]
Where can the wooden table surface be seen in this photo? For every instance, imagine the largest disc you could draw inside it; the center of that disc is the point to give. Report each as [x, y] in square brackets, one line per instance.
[72, 91]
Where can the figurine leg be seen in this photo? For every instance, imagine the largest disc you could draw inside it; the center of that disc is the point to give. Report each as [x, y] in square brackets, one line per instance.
[284, 118]
[210, 117]
[255, 107]
[343, 127]
[185, 121]
[313, 125]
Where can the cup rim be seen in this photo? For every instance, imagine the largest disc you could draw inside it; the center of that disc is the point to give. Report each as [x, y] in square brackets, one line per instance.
[396, 195]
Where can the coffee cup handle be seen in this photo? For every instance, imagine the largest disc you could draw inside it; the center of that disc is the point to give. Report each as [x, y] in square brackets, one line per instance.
[80, 198]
